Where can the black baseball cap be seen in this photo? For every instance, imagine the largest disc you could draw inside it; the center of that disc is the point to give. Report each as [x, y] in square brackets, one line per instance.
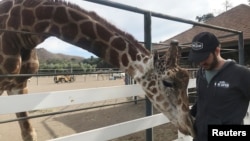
[202, 45]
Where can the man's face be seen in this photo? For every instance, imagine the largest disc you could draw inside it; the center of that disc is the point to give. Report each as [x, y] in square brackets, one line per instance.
[210, 63]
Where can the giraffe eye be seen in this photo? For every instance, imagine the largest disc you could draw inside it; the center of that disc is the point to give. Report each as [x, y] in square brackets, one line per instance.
[167, 84]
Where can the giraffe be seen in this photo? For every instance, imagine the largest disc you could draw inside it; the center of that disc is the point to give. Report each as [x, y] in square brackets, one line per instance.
[163, 81]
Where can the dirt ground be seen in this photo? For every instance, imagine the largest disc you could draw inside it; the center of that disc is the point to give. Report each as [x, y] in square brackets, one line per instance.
[50, 127]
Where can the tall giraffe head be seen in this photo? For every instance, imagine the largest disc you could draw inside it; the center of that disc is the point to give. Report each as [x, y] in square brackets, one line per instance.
[166, 84]
[163, 81]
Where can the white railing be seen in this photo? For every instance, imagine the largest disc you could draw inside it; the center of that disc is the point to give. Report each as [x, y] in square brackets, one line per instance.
[38, 101]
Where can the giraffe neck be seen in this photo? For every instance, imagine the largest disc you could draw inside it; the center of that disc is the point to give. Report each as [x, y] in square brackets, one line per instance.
[78, 27]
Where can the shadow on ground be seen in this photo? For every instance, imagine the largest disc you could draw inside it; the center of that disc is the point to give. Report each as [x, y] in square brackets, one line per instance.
[96, 118]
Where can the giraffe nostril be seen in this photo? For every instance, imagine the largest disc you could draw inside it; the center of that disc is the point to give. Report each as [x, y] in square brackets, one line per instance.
[167, 83]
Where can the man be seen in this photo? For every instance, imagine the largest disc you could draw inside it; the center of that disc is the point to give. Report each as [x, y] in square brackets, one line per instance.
[223, 87]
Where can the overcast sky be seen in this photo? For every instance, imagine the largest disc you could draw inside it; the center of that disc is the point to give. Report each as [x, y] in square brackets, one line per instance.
[133, 23]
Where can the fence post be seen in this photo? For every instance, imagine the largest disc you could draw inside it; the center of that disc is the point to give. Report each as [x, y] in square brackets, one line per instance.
[147, 40]
[241, 48]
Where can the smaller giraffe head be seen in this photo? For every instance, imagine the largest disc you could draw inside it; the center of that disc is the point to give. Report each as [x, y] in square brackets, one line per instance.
[166, 87]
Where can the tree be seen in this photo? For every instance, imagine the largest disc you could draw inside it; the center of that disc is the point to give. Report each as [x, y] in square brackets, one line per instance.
[227, 4]
[205, 17]
[98, 62]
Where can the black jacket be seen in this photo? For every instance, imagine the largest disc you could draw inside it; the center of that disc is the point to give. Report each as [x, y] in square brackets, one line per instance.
[224, 100]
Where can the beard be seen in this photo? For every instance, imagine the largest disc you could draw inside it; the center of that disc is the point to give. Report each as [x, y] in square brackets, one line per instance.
[214, 63]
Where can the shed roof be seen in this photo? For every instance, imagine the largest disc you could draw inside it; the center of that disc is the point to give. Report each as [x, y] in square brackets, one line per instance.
[237, 18]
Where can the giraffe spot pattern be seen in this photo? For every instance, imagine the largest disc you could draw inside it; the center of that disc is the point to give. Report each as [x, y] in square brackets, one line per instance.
[75, 16]
[145, 60]
[125, 60]
[29, 68]
[150, 96]
[30, 4]
[151, 84]
[70, 31]
[28, 17]
[3, 19]
[99, 48]
[8, 46]
[54, 29]
[15, 18]
[160, 98]
[158, 106]
[138, 80]
[84, 43]
[166, 105]
[60, 15]
[12, 65]
[87, 29]
[138, 57]
[6, 6]
[41, 26]
[41, 15]
[103, 33]
[114, 54]
[154, 90]
[132, 52]
[16, 2]
[119, 43]
[131, 70]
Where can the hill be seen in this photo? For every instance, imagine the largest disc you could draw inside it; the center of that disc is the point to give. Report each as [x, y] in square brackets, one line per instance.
[44, 55]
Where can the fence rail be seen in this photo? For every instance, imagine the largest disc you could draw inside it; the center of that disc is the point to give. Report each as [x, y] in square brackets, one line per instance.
[38, 101]
[45, 100]
[117, 130]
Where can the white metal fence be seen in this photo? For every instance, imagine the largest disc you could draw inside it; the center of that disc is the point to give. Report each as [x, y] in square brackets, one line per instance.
[39, 101]
[46, 100]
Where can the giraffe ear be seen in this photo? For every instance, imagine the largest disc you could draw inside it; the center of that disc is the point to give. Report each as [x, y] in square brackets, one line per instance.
[174, 42]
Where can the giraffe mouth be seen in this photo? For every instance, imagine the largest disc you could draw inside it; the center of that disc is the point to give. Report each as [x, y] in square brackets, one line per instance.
[167, 83]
